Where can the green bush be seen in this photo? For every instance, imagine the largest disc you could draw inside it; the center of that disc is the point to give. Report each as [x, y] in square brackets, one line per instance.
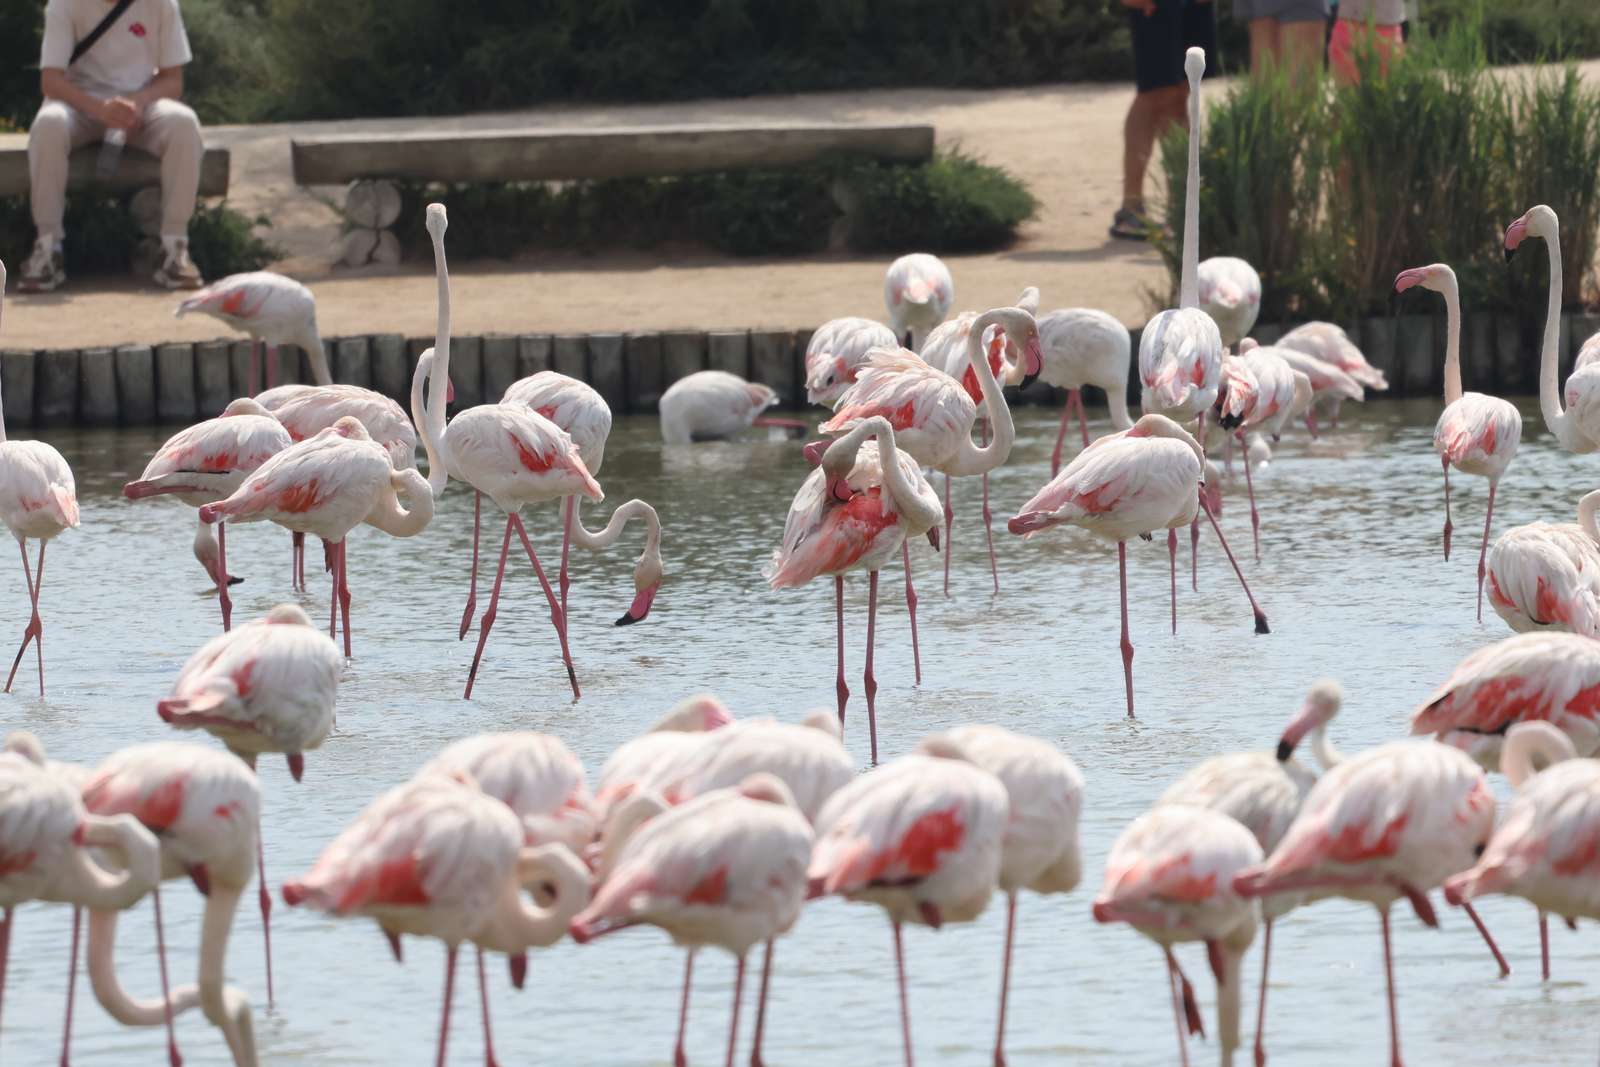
[1524, 31]
[102, 236]
[953, 204]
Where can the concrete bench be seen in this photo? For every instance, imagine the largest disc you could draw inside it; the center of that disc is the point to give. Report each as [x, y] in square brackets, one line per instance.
[137, 170]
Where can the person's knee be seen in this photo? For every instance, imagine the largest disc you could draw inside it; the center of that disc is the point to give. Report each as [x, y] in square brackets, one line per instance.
[51, 129]
[179, 124]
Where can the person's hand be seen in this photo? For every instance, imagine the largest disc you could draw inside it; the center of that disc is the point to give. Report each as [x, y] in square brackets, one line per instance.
[119, 113]
[1144, 7]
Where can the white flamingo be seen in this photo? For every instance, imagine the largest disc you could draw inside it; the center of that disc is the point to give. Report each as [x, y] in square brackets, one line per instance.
[272, 309]
[918, 292]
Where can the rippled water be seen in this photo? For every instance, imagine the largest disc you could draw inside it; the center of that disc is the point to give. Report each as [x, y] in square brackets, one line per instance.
[1351, 577]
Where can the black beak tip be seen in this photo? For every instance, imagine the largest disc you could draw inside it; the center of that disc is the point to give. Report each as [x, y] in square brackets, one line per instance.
[1230, 422]
[1285, 750]
[1261, 624]
[627, 619]
[1028, 379]
[933, 538]
[1509, 252]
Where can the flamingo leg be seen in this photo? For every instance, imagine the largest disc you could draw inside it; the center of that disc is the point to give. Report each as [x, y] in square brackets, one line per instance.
[569, 512]
[1261, 1004]
[1061, 434]
[733, 1025]
[1388, 974]
[222, 577]
[900, 973]
[1255, 516]
[1175, 985]
[166, 997]
[1194, 525]
[35, 628]
[988, 519]
[869, 682]
[5, 949]
[1083, 417]
[342, 580]
[1127, 645]
[1448, 525]
[272, 365]
[838, 612]
[264, 898]
[472, 582]
[1172, 557]
[911, 609]
[679, 1057]
[761, 1006]
[1311, 422]
[949, 519]
[1544, 945]
[1005, 981]
[483, 997]
[1261, 616]
[72, 987]
[1488, 939]
[557, 616]
[333, 604]
[253, 383]
[297, 566]
[1483, 551]
[449, 989]
[486, 623]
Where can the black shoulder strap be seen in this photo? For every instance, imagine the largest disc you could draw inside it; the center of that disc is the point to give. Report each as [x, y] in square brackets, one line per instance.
[99, 31]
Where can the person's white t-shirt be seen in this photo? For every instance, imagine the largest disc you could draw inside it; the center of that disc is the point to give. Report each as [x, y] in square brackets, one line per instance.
[147, 37]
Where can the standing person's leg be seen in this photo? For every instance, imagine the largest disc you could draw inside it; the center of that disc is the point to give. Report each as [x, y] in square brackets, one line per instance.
[1161, 97]
[1302, 31]
[171, 132]
[1265, 44]
[57, 129]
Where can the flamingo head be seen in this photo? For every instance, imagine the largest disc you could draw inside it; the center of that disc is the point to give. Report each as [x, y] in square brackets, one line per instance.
[1434, 276]
[1321, 705]
[647, 575]
[1537, 221]
[438, 221]
[814, 450]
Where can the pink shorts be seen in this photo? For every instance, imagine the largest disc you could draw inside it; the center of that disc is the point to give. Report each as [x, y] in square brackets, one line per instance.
[1347, 33]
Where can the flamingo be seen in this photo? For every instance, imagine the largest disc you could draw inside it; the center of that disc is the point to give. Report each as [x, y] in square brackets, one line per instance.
[1040, 848]
[1546, 575]
[1259, 391]
[1085, 346]
[209, 461]
[1230, 292]
[508, 451]
[38, 499]
[1134, 482]
[270, 308]
[1328, 383]
[932, 414]
[712, 404]
[1330, 345]
[921, 837]
[835, 353]
[1541, 851]
[1169, 876]
[727, 868]
[1394, 821]
[50, 850]
[918, 292]
[852, 513]
[328, 485]
[1577, 428]
[631, 767]
[1588, 352]
[205, 807]
[584, 415]
[438, 858]
[1476, 433]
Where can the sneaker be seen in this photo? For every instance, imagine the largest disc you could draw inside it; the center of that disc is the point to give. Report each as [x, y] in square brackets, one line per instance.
[45, 270]
[179, 271]
[1130, 225]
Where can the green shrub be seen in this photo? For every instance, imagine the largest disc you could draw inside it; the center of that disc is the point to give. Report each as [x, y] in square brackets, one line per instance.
[1524, 31]
[102, 236]
[953, 204]
[223, 241]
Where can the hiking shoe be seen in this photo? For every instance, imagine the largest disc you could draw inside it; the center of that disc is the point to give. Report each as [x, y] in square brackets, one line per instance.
[45, 270]
[179, 271]
[1130, 225]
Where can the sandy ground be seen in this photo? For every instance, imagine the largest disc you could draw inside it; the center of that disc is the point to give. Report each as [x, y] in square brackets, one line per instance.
[1065, 141]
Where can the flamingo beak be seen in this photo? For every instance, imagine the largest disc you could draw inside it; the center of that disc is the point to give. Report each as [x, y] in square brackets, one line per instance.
[813, 452]
[1295, 732]
[933, 537]
[640, 607]
[297, 765]
[1408, 278]
[1514, 236]
[1032, 361]
[839, 490]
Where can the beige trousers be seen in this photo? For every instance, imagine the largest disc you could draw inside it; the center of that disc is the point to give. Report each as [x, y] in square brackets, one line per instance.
[170, 131]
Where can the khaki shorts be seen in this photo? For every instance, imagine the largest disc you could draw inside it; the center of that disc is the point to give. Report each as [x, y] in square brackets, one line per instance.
[1282, 10]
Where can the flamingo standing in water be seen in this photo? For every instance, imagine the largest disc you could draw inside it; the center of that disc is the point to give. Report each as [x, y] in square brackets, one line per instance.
[207, 462]
[1127, 484]
[438, 858]
[835, 353]
[1394, 821]
[1259, 392]
[1084, 346]
[1476, 433]
[1546, 575]
[1331, 346]
[272, 309]
[1328, 383]
[1170, 876]
[854, 512]
[921, 837]
[634, 762]
[1230, 292]
[712, 404]
[918, 292]
[727, 868]
[37, 499]
[205, 807]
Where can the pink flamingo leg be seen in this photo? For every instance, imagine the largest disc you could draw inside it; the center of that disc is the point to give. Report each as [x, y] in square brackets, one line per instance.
[1194, 554]
[911, 609]
[35, 629]
[1250, 487]
[1544, 945]
[988, 519]
[1388, 974]
[1488, 939]
[1483, 551]
[1172, 558]
[342, 581]
[1127, 645]
[1311, 423]
[72, 987]
[333, 606]
[1061, 434]
[5, 949]
[1448, 525]
[569, 511]
[1261, 616]
[472, 582]
[265, 900]
[449, 989]
[1005, 981]
[486, 623]
[297, 566]
[870, 682]
[253, 384]
[761, 1006]
[949, 518]
[166, 997]
[733, 1026]
[1175, 984]
[900, 973]
[1261, 1005]
[272, 365]
[679, 1057]
[483, 997]
[557, 616]
[222, 577]
[838, 610]
[1083, 418]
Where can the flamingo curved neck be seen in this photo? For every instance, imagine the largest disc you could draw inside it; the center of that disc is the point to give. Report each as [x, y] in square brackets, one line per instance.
[916, 512]
[1528, 751]
[1117, 403]
[438, 376]
[1452, 343]
[1549, 392]
[1327, 756]
[317, 355]
[387, 514]
[1588, 508]
[623, 822]
[1189, 285]
[93, 886]
[593, 540]
[436, 448]
[518, 923]
[108, 990]
[969, 458]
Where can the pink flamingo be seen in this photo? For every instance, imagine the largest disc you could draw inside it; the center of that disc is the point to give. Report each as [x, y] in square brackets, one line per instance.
[1039, 850]
[207, 462]
[438, 858]
[1330, 346]
[727, 868]
[635, 763]
[1134, 482]
[853, 513]
[918, 291]
[327, 486]
[709, 405]
[1546, 575]
[586, 417]
[1259, 391]
[1083, 346]
[835, 354]
[50, 851]
[1328, 383]
[1170, 876]
[921, 837]
[1476, 433]
[205, 807]
[1230, 292]
[271, 309]
[1394, 821]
